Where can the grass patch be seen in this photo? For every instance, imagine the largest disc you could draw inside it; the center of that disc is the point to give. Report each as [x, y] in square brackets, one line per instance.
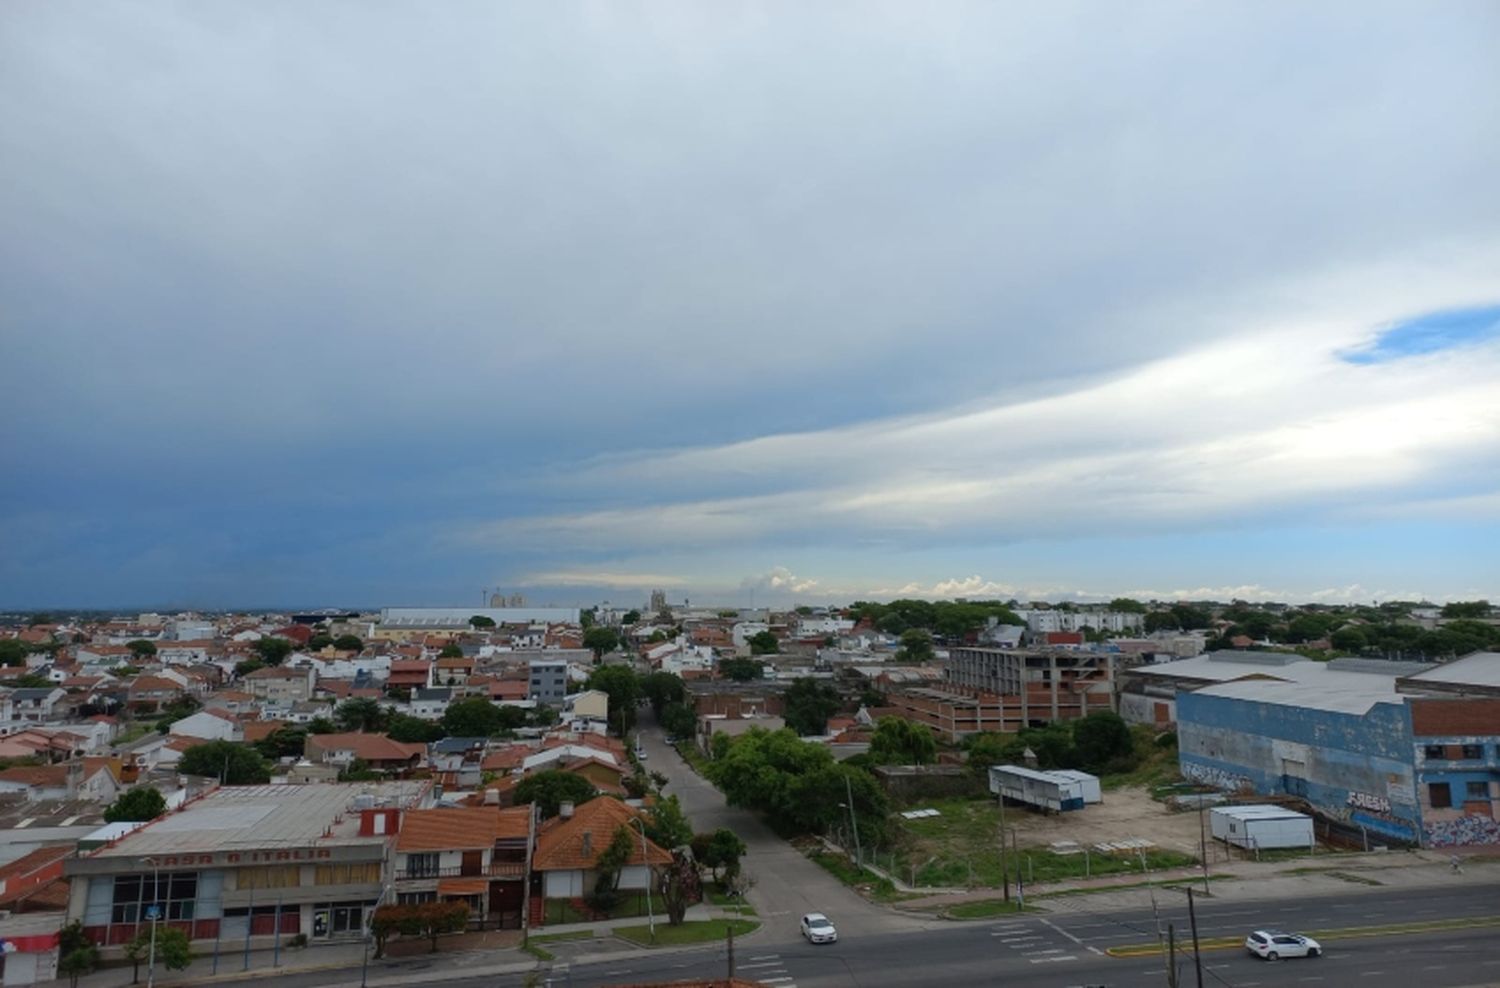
[699, 931]
[631, 906]
[535, 945]
[987, 909]
[1175, 884]
[878, 888]
[693, 757]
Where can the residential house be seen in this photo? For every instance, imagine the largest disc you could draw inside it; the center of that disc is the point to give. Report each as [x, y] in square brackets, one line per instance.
[453, 671]
[211, 724]
[430, 703]
[36, 704]
[375, 750]
[280, 686]
[149, 693]
[409, 674]
[568, 849]
[474, 854]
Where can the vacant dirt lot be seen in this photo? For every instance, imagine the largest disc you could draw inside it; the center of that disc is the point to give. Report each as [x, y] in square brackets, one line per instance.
[1124, 814]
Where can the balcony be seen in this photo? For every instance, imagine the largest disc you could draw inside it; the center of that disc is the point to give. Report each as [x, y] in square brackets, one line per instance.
[497, 869]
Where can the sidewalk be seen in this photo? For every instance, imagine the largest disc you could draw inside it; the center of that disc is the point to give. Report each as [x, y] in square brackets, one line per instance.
[405, 968]
[1238, 880]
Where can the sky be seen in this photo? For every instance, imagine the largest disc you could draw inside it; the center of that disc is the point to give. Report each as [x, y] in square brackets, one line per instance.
[364, 304]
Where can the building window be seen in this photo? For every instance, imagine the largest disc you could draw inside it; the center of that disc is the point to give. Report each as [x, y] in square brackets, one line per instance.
[367, 873]
[269, 877]
[173, 893]
[1478, 790]
[415, 898]
[1434, 751]
[422, 865]
[1472, 751]
[1439, 795]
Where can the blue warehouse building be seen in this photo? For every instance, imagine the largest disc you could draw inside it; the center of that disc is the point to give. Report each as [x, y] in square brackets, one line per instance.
[1393, 766]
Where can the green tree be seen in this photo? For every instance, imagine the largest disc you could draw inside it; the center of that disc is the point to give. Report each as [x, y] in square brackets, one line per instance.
[1127, 605]
[349, 643]
[136, 805]
[667, 825]
[795, 783]
[319, 642]
[741, 670]
[141, 648]
[985, 750]
[764, 643]
[359, 770]
[631, 617]
[550, 789]
[1162, 621]
[413, 730]
[916, 646]
[808, 705]
[601, 639]
[173, 949]
[1101, 738]
[679, 720]
[471, 717]
[1191, 617]
[284, 742]
[721, 852]
[272, 650]
[607, 867]
[662, 688]
[245, 668]
[77, 954]
[236, 764]
[898, 741]
[679, 885]
[624, 689]
[321, 725]
[1348, 639]
[361, 713]
[481, 621]
[1466, 609]
[13, 652]
[451, 651]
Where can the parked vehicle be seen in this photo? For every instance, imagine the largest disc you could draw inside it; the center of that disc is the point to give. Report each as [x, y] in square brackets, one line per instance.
[1273, 945]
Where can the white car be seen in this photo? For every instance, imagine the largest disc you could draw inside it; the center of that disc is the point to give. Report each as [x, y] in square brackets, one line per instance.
[1273, 945]
[817, 929]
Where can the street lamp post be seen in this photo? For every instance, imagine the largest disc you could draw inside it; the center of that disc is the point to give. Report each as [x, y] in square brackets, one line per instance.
[646, 862]
[155, 914]
[859, 857]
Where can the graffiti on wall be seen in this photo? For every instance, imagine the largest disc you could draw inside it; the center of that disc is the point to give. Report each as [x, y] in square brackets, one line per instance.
[1462, 830]
[1217, 777]
[1367, 801]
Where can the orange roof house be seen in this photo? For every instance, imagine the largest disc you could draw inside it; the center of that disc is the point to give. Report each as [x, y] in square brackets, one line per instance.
[568, 849]
[375, 750]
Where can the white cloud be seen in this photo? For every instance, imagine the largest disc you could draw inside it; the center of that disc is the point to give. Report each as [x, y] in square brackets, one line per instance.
[599, 578]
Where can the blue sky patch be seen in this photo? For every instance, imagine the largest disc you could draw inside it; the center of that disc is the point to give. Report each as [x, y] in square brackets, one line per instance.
[1429, 334]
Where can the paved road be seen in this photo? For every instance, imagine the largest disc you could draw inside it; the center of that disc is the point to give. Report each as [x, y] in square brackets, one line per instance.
[1055, 951]
[786, 883]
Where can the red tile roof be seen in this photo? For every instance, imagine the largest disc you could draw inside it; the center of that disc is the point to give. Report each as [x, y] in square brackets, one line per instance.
[562, 845]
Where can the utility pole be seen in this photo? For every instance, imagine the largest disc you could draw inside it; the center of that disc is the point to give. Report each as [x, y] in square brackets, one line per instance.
[1004, 869]
[1193, 919]
[859, 861]
[1203, 845]
[1171, 956]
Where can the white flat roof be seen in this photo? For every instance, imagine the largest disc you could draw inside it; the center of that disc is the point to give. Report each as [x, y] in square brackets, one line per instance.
[1315, 688]
[1476, 669]
[242, 818]
[1260, 811]
[1221, 667]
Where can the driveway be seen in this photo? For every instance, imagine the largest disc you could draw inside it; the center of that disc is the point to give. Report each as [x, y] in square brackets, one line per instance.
[787, 885]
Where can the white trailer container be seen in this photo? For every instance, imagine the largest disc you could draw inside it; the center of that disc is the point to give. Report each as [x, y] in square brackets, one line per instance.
[1088, 785]
[1261, 827]
[1056, 791]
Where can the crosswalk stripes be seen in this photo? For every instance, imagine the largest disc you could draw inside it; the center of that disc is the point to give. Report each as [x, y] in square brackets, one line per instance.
[767, 969]
[1030, 944]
